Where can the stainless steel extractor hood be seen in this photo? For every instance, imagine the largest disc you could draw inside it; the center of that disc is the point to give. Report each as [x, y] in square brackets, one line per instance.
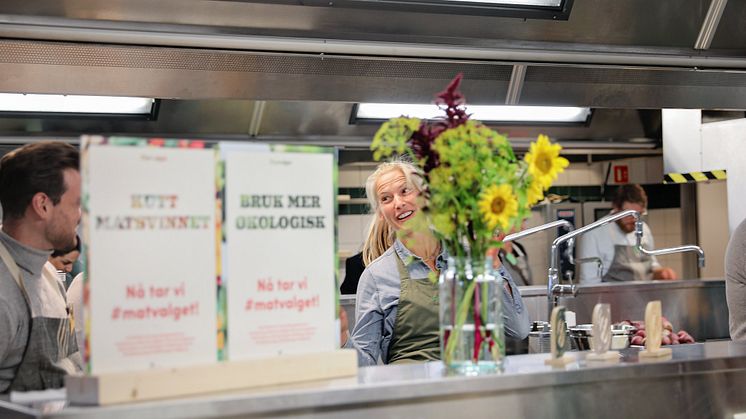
[213, 61]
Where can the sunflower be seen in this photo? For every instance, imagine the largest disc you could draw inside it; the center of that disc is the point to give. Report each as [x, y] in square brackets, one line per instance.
[534, 193]
[544, 162]
[498, 206]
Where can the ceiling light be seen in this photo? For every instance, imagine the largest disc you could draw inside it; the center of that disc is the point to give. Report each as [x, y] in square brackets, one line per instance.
[495, 114]
[25, 104]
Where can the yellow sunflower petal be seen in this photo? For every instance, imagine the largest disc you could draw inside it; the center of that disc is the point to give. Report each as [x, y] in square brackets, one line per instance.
[534, 193]
[498, 206]
[544, 161]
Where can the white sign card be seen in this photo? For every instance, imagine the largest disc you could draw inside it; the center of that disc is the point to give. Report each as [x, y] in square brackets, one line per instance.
[149, 227]
[279, 258]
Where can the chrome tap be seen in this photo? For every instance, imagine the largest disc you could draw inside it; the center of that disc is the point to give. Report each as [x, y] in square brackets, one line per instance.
[669, 250]
[554, 288]
[577, 262]
[529, 231]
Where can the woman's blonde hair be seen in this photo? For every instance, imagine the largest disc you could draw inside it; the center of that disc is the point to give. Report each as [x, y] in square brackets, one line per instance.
[380, 234]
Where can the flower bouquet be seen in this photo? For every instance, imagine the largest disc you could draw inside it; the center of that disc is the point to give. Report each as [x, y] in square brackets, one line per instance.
[474, 187]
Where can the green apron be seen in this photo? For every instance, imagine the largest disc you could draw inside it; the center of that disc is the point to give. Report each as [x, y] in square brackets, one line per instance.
[50, 343]
[416, 335]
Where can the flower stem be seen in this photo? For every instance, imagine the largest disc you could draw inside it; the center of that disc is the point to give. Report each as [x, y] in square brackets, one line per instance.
[478, 338]
[463, 311]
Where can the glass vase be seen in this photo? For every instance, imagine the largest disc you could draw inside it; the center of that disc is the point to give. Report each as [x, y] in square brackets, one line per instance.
[472, 338]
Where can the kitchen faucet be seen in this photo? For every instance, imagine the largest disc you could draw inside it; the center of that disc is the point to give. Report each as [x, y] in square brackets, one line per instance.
[529, 231]
[555, 289]
[667, 251]
[558, 223]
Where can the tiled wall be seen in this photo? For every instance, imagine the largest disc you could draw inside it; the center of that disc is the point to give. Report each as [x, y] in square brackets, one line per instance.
[353, 228]
[642, 170]
[666, 227]
[537, 249]
[712, 226]
[355, 175]
[352, 232]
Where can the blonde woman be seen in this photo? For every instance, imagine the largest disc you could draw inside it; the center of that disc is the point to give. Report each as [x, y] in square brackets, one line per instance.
[397, 305]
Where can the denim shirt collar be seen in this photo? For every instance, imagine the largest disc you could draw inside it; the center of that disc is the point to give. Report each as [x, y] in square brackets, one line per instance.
[410, 258]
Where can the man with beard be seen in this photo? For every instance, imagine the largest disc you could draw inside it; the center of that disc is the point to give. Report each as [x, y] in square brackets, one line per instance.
[40, 197]
[614, 244]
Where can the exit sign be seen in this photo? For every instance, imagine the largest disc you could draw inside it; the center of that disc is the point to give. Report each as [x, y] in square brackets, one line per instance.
[621, 174]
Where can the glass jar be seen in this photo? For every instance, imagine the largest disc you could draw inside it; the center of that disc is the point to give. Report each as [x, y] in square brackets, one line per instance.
[472, 337]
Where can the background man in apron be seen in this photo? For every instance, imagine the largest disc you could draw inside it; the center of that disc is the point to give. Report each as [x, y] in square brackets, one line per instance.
[40, 197]
[614, 244]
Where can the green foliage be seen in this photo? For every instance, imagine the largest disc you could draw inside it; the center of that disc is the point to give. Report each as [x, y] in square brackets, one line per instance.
[392, 137]
[475, 185]
[471, 158]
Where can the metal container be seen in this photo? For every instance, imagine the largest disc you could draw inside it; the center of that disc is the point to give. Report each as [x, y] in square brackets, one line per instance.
[538, 337]
[580, 336]
[629, 299]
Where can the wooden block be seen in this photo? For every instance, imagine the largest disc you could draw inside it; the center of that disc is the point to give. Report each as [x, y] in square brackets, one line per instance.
[608, 356]
[560, 362]
[660, 354]
[136, 386]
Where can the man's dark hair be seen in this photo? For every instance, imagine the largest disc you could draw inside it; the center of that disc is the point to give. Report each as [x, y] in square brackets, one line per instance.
[31, 169]
[631, 193]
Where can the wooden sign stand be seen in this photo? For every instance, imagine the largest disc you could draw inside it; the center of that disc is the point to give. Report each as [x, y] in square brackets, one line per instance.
[660, 354]
[653, 327]
[608, 356]
[601, 336]
[558, 340]
[136, 386]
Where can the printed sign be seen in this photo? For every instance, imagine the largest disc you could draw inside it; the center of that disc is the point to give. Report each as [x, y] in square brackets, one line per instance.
[279, 257]
[621, 174]
[150, 233]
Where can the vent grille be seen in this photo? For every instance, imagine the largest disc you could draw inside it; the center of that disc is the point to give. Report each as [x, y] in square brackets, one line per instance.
[635, 76]
[94, 55]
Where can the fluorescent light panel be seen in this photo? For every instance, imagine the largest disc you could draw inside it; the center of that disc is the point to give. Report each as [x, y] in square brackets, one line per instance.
[520, 114]
[19, 102]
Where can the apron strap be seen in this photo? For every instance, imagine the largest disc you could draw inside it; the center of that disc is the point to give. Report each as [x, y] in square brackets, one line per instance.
[16, 272]
[64, 332]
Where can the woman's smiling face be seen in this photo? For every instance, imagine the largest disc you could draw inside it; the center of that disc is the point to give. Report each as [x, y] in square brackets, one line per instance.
[398, 199]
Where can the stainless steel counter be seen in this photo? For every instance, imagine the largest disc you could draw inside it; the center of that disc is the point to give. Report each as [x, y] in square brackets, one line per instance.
[697, 306]
[702, 380]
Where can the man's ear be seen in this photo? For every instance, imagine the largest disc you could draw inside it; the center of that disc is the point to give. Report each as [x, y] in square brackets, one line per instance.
[41, 205]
